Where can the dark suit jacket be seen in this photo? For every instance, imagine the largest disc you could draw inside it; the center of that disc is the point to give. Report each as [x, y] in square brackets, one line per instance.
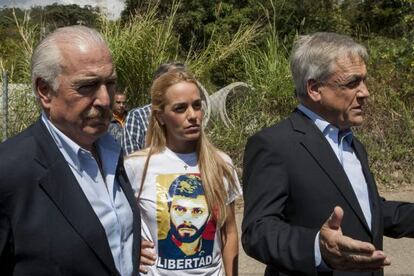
[47, 225]
[292, 181]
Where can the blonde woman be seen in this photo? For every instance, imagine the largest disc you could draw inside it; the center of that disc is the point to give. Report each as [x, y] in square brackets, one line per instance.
[185, 187]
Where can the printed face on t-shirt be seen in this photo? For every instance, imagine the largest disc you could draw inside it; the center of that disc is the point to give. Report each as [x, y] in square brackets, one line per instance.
[186, 228]
[188, 216]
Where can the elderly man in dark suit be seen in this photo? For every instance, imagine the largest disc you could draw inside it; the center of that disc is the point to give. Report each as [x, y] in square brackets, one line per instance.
[66, 206]
[311, 202]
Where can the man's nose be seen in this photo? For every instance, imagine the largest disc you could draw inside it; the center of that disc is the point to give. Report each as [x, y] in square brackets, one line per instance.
[103, 97]
[363, 91]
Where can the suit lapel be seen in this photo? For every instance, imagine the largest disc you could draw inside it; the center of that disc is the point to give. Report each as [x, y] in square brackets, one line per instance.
[61, 186]
[372, 188]
[317, 146]
[127, 189]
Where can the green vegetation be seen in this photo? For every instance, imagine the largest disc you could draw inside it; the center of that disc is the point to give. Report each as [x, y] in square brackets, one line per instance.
[249, 41]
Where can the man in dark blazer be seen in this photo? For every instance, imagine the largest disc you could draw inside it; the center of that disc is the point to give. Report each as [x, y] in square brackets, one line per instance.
[66, 205]
[311, 202]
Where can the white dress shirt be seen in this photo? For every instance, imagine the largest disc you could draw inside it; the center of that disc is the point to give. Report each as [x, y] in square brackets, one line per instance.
[341, 144]
[102, 191]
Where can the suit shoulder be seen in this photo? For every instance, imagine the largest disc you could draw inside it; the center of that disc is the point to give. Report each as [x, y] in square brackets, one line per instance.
[278, 131]
[17, 167]
[357, 141]
[17, 150]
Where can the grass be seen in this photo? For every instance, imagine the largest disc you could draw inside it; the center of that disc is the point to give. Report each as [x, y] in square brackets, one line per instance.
[138, 47]
[271, 99]
[142, 43]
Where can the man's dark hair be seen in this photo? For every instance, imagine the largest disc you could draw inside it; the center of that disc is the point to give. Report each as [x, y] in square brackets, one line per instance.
[121, 91]
[186, 185]
[165, 67]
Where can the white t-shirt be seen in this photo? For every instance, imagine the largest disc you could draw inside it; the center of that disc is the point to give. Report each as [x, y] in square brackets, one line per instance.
[175, 216]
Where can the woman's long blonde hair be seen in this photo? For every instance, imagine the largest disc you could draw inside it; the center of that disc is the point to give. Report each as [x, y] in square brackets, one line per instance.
[213, 168]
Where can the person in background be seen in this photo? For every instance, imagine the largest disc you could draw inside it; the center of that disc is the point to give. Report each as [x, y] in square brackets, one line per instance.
[66, 205]
[119, 113]
[184, 186]
[311, 203]
[137, 120]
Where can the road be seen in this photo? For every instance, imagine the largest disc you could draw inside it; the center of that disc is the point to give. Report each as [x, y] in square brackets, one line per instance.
[400, 251]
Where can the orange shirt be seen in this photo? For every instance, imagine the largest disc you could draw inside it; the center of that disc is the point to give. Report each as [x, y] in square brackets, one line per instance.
[120, 119]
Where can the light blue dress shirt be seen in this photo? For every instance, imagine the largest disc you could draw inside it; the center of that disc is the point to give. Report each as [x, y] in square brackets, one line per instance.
[340, 142]
[102, 191]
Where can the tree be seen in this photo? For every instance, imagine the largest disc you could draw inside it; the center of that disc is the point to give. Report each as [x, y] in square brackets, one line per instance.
[391, 18]
[55, 15]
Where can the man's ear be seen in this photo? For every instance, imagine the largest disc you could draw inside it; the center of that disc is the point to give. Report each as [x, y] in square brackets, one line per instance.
[44, 92]
[313, 89]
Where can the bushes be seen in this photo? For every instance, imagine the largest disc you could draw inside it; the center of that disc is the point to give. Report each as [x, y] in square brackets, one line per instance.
[388, 131]
[144, 42]
[267, 71]
[259, 57]
[389, 127]
[138, 47]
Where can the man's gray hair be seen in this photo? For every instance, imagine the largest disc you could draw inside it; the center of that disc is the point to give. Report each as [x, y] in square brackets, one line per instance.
[47, 60]
[314, 57]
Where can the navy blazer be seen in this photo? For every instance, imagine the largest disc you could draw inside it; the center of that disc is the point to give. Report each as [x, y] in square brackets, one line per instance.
[47, 225]
[292, 180]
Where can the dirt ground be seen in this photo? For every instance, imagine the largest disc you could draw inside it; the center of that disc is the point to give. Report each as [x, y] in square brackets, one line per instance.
[400, 251]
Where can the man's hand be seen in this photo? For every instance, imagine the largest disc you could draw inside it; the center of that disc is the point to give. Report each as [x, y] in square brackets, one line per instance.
[343, 253]
[147, 256]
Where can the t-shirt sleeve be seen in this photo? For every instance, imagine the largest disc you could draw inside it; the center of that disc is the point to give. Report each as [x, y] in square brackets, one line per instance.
[133, 168]
[233, 191]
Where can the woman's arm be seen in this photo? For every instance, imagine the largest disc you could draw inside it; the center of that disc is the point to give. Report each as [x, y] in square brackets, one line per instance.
[230, 240]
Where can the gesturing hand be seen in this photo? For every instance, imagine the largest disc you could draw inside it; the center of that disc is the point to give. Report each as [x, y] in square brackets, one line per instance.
[147, 256]
[344, 253]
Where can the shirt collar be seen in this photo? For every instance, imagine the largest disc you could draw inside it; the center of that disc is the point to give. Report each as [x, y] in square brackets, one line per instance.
[68, 147]
[325, 127]
[72, 152]
[119, 118]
